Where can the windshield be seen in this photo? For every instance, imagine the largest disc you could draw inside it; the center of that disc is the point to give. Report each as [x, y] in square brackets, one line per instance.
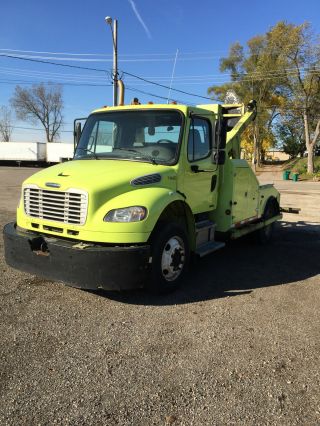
[149, 136]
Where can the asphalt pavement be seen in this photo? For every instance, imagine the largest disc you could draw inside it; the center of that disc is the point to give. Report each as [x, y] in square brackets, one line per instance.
[238, 344]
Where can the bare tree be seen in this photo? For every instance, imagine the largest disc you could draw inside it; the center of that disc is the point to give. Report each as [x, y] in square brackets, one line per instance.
[5, 124]
[40, 103]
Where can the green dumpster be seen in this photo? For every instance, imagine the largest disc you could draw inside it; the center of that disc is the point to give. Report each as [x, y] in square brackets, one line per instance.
[295, 177]
[286, 175]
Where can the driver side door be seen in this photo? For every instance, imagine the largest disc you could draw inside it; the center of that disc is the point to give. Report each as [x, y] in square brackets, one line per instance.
[200, 181]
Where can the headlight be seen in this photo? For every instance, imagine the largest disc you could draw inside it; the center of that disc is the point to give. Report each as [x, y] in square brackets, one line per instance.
[127, 214]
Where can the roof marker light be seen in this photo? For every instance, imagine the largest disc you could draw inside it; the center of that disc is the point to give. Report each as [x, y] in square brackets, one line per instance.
[135, 101]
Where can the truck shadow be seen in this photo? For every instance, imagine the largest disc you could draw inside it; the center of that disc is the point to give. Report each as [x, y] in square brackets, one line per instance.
[243, 266]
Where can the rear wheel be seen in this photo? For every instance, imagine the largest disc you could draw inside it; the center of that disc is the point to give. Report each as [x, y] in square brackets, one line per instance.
[170, 258]
[265, 234]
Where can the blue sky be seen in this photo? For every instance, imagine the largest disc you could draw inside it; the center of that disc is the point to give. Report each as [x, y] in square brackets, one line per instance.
[150, 32]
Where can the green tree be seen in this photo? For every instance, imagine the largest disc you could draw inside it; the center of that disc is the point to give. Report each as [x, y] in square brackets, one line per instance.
[281, 70]
[291, 138]
[247, 72]
[296, 54]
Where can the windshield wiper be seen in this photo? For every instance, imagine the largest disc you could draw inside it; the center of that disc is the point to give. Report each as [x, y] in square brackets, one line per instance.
[142, 156]
[91, 152]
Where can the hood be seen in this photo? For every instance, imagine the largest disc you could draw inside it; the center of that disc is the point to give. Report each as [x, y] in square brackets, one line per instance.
[95, 176]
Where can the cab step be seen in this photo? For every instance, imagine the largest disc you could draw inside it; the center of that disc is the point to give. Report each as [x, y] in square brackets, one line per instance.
[209, 247]
[205, 230]
[205, 242]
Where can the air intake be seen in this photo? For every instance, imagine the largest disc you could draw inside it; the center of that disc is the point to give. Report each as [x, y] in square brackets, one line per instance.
[146, 180]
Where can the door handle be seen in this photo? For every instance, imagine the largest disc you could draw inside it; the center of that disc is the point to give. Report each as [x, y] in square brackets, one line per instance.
[195, 169]
[213, 183]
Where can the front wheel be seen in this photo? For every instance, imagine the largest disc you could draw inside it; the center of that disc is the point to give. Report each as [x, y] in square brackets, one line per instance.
[170, 258]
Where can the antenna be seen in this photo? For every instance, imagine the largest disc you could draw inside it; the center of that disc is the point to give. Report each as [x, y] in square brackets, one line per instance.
[173, 70]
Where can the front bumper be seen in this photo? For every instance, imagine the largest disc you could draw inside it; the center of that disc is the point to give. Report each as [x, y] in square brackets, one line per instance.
[82, 265]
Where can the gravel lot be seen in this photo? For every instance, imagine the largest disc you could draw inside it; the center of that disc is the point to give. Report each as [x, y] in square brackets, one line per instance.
[238, 345]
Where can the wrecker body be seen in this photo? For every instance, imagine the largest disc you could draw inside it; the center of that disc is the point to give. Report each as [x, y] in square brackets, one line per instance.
[149, 186]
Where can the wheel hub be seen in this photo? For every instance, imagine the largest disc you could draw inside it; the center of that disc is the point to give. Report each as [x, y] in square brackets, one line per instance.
[173, 258]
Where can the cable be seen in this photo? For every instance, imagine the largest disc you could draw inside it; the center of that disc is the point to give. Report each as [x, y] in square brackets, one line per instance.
[150, 81]
[86, 81]
[34, 128]
[104, 54]
[133, 89]
[31, 72]
[75, 59]
[53, 63]
[164, 86]
[137, 77]
[15, 82]
[100, 70]
[277, 50]
[54, 53]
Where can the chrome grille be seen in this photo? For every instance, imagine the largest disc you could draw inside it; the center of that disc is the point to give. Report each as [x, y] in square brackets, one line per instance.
[67, 207]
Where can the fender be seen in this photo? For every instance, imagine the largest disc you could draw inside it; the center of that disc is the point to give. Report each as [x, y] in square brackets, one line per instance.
[154, 199]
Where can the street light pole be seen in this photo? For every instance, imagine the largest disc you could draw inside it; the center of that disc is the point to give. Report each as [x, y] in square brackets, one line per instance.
[114, 32]
[115, 62]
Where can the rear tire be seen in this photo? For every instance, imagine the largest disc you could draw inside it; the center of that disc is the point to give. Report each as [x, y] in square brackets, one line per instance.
[265, 235]
[170, 258]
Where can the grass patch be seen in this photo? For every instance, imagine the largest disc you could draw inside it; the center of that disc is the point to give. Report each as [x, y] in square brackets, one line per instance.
[300, 165]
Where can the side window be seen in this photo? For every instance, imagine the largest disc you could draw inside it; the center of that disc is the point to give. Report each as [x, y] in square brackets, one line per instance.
[104, 136]
[199, 139]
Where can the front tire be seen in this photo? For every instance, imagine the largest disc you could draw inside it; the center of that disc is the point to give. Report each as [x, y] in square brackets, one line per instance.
[170, 258]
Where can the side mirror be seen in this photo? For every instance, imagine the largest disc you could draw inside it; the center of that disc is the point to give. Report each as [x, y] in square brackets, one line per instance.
[221, 133]
[77, 134]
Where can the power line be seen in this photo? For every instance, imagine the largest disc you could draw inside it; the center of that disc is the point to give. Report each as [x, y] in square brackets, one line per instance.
[249, 75]
[54, 53]
[164, 86]
[104, 54]
[100, 70]
[15, 82]
[133, 89]
[53, 63]
[32, 72]
[171, 54]
[37, 129]
[253, 77]
[85, 81]
[75, 58]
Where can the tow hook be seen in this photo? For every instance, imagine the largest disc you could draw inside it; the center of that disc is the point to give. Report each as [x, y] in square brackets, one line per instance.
[294, 210]
[39, 246]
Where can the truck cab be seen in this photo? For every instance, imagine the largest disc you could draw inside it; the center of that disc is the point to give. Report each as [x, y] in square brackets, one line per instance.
[149, 186]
